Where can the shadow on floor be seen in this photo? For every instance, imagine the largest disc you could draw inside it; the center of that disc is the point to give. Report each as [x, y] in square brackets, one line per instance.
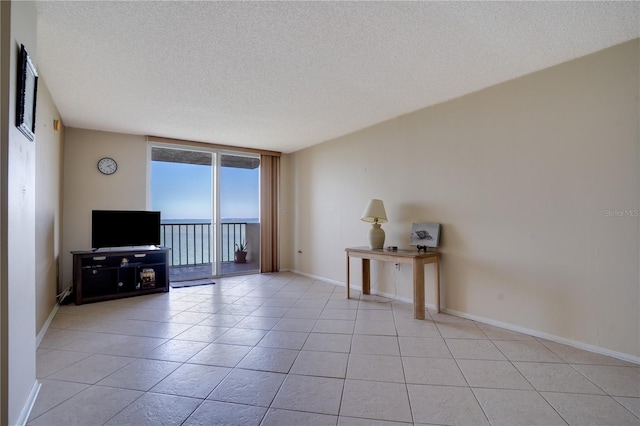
[184, 273]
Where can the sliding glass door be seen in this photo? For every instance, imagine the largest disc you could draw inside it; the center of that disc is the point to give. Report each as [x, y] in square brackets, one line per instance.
[210, 210]
[239, 213]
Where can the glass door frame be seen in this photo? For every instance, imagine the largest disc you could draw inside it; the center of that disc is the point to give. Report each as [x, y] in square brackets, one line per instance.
[216, 220]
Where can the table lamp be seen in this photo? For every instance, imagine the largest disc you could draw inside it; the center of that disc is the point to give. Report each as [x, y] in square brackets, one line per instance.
[374, 213]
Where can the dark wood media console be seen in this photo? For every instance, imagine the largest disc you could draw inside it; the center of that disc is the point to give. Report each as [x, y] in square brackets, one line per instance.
[114, 273]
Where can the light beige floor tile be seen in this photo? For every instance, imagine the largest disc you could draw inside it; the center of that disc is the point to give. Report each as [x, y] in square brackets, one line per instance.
[616, 381]
[224, 413]
[221, 320]
[492, 374]
[380, 368]
[202, 333]
[354, 421]
[283, 339]
[372, 301]
[237, 310]
[516, 407]
[279, 417]
[342, 303]
[269, 312]
[445, 405]
[156, 409]
[195, 381]
[295, 324]
[52, 393]
[432, 371]
[175, 350]
[311, 394]
[375, 327]
[375, 400]
[526, 350]
[269, 359]
[334, 326]
[248, 387]
[311, 313]
[579, 409]
[328, 342]
[310, 303]
[631, 404]
[92, 406]
[54, 360]
[322, 364]
[338, 314]
[462, 330]
[220, 355]
[417, 328]
[556, 378]
[190, 318]
[162, 330]
[429, 347]
[141, 374]
[57, 338]
[497, 333]
[375, 315]
[578, 356]
[92, 369]
[474, 349]
[281, 302]
[114, 344]
[257, 323]
[375, 345]
[238, 336]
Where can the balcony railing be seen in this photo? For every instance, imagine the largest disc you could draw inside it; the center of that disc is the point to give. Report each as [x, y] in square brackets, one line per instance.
[190, 243]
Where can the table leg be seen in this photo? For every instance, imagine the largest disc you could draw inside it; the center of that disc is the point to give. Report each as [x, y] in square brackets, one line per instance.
[366, 277]
[348, 276]
[437, 265]
[418, 289]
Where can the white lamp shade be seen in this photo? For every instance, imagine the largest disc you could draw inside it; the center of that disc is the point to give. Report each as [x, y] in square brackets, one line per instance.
[374, 212]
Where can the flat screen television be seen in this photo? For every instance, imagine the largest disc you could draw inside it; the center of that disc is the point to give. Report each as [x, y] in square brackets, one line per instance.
[124, 228]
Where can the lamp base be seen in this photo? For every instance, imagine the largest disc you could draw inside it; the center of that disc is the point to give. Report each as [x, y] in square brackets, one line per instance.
[376, 237]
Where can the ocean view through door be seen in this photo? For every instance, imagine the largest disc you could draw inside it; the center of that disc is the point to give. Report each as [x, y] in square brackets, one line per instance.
[209, 207]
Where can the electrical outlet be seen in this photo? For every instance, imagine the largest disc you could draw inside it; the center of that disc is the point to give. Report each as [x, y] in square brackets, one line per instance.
[397, 266]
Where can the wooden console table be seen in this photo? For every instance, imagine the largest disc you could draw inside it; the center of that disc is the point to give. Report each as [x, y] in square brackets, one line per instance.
[417, 260]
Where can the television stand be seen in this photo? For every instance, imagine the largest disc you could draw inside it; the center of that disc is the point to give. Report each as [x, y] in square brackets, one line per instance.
[119, 272]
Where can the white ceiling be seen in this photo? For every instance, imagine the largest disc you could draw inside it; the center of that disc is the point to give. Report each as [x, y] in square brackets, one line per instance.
[287, 75]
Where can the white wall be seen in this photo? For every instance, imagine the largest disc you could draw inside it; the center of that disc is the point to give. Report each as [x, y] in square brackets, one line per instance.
[86, 189]
[17, 227]
[524, 177]
[48, 219]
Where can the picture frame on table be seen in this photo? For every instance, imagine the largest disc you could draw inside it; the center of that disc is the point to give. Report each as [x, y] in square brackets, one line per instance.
[26, 96]
[425, 234]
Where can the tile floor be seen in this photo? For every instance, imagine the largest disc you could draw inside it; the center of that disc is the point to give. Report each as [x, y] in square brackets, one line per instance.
[282, 349]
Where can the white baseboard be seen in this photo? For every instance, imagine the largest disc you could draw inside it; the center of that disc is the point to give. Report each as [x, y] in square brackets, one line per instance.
[507, 326]
[46, 325]
[542, 335]
[28, 406]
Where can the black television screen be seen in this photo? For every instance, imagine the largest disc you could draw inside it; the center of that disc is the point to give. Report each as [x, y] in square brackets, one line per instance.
[123, 228]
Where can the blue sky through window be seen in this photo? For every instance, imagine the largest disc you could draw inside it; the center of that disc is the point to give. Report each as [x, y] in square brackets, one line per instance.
[183, 191]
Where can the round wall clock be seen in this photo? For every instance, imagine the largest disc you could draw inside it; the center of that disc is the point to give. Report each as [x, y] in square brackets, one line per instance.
[107, 165]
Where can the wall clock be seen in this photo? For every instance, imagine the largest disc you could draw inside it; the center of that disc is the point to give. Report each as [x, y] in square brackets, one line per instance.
[107, 166]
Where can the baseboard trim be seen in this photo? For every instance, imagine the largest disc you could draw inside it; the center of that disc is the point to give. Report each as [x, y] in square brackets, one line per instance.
[507, 326]
[46, 325]
[28, 406]
[546, 336]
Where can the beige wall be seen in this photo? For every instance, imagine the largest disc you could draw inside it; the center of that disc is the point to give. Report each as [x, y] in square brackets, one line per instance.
[48, 220]
[525, 177]
[86, 189]
[17, 227]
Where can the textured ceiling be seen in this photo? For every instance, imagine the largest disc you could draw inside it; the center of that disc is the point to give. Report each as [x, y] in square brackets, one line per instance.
[287, 75]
